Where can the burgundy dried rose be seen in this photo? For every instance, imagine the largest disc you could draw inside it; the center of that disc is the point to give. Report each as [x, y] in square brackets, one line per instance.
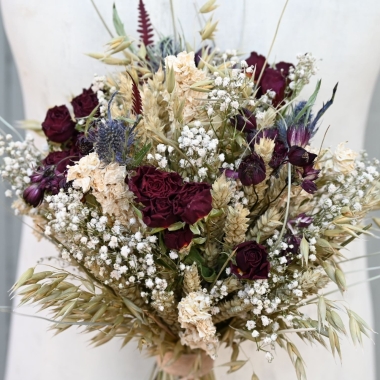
[242, 124]
[251, 261]
[82, 145]
[58, 125]
[284, 68]
[258, 61]
[300, 157]
[178, 239]
[273, 80]
[159, 213]
[60, 160]
[193, 202]
[84, 103]
[252, 170]
[150, 183]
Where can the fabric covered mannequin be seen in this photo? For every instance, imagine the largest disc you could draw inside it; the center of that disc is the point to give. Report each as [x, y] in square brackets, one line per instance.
[49, 39]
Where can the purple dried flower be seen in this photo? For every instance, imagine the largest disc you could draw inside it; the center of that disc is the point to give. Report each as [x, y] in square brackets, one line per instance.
[309, 175]
[230, 173]
[34, 194]
[309, 186]
[298, 135]
[298, 156]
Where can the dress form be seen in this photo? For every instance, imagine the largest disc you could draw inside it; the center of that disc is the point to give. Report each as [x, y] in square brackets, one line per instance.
[49, 39]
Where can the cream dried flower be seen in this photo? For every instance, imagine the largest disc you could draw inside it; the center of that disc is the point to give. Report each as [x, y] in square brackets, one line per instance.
[82, 172]
[186, 74]
[344, 159]
[194, 316]
[107, 184]
[190, 337]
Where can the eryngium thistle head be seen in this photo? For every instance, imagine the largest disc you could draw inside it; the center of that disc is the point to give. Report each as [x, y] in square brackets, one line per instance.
[113, 139]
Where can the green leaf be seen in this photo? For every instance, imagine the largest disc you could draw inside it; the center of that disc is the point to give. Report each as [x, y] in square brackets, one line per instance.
[166, 264]
[194, 256]
[195, 229]
[208, 274]
[215, 213]
[199, 240]
[141, 154]
[89, 119]
[176, 226]
[119, 26]
[309, 104]
[161, 244]
[155, 230]
[138, 212]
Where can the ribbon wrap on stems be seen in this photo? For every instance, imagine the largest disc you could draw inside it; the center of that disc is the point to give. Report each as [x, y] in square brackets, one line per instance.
[185, 367]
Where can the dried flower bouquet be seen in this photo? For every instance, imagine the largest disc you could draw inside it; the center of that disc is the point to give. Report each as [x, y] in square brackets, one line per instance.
[190, 206]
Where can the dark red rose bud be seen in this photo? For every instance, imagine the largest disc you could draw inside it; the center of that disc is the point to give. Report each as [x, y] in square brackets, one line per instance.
[273, 80]
[249, 116]
[193, 202]
[300, 157]
[258, 61]
[150, 183]
[298, 135]
[58, 125]
[178, 239]
[84, 103]
[82, 145]
[159, 213]
[242, 124]
[34, 194]
[251, 261]
[283, 68]
[59, 159]
[279, 154]
[252, 170]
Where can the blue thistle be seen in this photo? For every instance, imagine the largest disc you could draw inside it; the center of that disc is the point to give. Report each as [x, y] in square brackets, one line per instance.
[113, 139]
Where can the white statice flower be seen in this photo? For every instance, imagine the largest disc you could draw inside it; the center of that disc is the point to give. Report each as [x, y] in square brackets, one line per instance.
[344, 159]
[107, 185]
[186, 74]
[190, 337]
[81, 173]
[194, 315]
